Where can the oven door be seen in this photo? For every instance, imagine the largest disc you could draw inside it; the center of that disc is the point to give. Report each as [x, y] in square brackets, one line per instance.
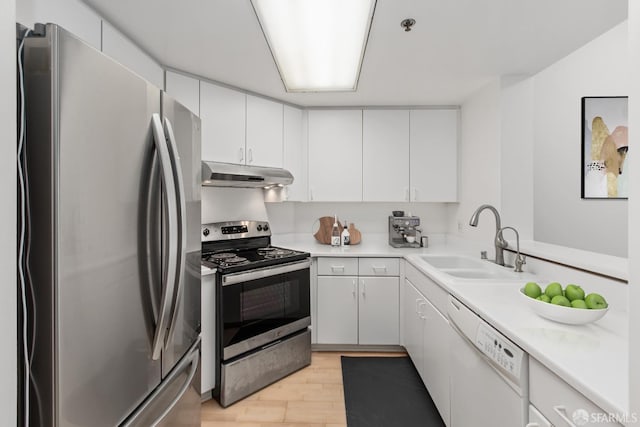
[260, 306]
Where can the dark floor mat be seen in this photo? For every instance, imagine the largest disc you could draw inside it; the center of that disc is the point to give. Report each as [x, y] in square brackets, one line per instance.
[386, 392]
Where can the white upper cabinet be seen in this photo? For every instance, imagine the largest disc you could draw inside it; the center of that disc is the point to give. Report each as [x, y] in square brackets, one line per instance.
[295, 159]
[434, 155]
[131, 56]
[264, 132]
[186, 90]
[335, 155]
[223, 115]
[385, 155]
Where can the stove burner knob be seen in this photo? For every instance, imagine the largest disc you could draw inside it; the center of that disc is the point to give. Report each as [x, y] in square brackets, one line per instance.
[206, 232]
[259, 227]
[266, 227]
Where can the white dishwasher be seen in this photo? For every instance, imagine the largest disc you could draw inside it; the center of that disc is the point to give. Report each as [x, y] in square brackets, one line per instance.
[489, 373]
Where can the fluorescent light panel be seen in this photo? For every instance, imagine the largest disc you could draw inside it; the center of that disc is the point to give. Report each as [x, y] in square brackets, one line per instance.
[318, 45]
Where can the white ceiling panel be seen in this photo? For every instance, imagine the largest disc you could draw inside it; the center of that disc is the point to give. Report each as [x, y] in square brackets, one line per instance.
[455, 47]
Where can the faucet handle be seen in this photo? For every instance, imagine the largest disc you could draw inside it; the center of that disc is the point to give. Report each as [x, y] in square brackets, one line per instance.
[519, 262]
[483, 254]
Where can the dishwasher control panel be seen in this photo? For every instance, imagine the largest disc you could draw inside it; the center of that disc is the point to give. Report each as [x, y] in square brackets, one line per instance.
[500, 350]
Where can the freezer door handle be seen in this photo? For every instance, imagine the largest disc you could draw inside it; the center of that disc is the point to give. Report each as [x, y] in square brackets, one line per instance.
[190, 361]
[170, 212]
[182, 225]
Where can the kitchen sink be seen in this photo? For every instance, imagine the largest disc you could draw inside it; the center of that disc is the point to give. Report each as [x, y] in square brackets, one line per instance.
[466, 273]
[452, 261]
[465, 267]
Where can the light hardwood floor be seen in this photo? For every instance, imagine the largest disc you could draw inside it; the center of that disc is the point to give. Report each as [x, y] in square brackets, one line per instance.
[311, 397]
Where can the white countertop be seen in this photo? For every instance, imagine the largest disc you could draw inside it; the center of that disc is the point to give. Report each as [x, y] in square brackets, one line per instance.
[591, 358]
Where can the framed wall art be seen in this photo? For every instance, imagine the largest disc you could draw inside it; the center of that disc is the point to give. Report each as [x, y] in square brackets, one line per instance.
[605, 147]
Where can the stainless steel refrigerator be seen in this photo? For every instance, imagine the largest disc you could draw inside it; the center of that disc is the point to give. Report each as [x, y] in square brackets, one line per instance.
[113, 168]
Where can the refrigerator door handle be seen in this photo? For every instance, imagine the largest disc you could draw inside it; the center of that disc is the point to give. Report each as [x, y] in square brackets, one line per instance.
[191, 360]
[170, 205]
[182, 225]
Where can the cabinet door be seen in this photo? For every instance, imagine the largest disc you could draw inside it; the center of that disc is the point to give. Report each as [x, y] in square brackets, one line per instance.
[264, 132]
[335, 155]
[379, 310]
[435, 369]
[434, 155]
[120, 48]
[385, 155]
[184, 89]
[412, 324]
[337, 310]
[222, 112]
[295, 159]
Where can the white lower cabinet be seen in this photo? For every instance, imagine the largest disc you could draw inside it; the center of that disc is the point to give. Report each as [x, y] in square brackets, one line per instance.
[378, 311]
[354, 309]
[337, 321]
[426, 340]
[561, 404]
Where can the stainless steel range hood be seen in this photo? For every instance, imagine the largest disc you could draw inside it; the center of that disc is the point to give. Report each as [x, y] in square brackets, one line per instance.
[217, 174]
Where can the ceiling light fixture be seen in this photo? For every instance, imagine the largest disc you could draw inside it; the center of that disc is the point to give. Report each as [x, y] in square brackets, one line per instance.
[317, 45]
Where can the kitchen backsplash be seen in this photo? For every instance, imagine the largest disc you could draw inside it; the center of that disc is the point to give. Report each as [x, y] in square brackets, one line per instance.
[371, 217]
[232, 204]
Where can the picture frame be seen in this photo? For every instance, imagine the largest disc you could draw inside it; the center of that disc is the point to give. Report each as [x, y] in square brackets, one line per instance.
[604, 147]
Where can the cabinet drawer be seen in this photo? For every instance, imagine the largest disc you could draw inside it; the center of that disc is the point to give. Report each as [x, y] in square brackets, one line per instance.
[558, 401]
[379, 267]
[337, 266]
[430, 289]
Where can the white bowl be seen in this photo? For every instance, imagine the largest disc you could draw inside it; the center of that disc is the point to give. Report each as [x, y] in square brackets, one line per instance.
[410, 239]
[561, 314]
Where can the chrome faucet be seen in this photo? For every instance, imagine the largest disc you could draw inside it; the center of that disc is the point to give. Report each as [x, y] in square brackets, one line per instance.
[498, 240]
[520, 259]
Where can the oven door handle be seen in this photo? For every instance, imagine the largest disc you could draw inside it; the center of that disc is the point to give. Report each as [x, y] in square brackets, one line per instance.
[234, 278]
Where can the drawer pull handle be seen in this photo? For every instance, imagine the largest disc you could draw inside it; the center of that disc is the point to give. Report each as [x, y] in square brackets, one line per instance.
[337, 268]
[420, 312]
[378, 267]
[354, 292]
[562, 411]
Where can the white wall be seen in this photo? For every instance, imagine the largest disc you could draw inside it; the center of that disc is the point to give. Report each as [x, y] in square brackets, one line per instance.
[8, 312]
[369, 218]
[72, 15]
[479, 164]
[634, 206]
[599, 68]
[516, 163]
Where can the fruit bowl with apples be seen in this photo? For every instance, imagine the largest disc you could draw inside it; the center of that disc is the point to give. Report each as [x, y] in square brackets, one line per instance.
[570, 305]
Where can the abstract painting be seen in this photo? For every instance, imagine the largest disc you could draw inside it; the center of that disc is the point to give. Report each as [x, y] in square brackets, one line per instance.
[605, 147]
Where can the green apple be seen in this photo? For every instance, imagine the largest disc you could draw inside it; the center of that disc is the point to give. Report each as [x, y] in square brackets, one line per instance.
[544, 298]
[532, 289]
[574, 292]
[578, 303]
[560, 300]
[553, 289]
[595, 301]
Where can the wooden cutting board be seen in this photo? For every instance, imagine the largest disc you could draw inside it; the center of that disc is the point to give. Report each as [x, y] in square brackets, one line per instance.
[323, 235]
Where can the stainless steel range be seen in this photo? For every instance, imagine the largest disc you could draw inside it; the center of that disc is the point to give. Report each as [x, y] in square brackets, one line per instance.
[262, 307]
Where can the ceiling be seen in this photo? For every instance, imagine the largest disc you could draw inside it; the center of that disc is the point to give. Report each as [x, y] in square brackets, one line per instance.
[455, 48]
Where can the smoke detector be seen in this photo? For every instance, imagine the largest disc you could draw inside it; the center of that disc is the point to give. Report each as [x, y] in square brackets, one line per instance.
[408, 23]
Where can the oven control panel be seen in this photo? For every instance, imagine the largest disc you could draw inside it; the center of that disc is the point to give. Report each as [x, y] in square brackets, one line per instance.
[229, 230]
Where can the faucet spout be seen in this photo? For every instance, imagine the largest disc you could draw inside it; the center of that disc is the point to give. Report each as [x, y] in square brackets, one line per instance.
[499, 242]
